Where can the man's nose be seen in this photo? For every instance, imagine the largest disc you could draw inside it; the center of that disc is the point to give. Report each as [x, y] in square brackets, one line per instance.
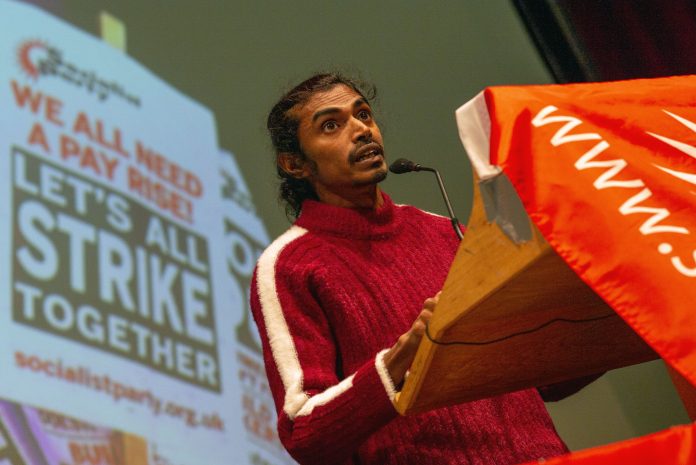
[361, 130]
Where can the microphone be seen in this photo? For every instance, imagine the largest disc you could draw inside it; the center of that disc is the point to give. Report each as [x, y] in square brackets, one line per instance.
[403, 165]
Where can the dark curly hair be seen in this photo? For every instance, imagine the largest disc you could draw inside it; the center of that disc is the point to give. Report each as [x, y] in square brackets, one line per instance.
[282, 127]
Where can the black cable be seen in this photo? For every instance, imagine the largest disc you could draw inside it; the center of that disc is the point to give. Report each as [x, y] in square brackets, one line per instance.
[510, 336]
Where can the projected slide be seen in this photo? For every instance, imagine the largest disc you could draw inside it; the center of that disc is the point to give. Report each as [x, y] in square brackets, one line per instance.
[31, 435]
[127, 243]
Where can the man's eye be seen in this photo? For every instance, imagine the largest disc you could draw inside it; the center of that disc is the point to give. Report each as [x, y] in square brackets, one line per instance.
[329, 126]
[364, 115]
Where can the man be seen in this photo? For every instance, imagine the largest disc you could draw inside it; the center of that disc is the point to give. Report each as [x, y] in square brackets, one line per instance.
[342, 298]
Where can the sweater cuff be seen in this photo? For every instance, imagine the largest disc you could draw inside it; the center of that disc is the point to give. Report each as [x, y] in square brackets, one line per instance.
[387, 382]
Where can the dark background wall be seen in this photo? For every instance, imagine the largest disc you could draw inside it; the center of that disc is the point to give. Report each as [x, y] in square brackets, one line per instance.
[426, 58]
[237, 58]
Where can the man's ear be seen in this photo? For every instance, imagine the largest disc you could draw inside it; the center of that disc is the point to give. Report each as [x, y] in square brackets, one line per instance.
[293, 164]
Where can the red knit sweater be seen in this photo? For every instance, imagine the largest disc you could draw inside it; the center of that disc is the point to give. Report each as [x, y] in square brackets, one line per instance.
[329, 296]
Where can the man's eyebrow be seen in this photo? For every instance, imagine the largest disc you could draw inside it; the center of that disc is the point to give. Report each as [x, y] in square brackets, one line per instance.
[327, 111]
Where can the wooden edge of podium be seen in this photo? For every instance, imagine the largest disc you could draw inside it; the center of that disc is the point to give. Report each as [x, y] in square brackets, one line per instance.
[475, 263]
[485, 261]
[512, 259]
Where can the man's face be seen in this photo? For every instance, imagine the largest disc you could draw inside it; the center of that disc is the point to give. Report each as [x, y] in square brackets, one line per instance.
[342, 143]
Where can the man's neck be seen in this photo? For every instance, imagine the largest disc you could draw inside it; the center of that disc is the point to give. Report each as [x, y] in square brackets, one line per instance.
[370, 197]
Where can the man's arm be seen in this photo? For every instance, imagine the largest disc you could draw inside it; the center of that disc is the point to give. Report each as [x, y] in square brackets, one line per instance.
[321, 419]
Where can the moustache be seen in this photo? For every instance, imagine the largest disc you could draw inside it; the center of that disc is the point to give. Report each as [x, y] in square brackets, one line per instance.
[359, 150]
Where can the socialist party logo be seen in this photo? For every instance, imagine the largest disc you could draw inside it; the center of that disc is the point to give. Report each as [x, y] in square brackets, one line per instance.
[39, 59]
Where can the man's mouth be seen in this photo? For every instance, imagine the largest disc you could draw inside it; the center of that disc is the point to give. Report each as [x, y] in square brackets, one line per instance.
[367, 152]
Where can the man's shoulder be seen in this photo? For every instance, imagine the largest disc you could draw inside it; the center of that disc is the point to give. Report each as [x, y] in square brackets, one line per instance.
[437, 227]
[293, 247]
[281, 243]
[422, 215]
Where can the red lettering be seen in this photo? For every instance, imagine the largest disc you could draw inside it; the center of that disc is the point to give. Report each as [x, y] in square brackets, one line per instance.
[93, 454]
[258, 419]
[89, 158]
[37, 136]
[24, 94]
[53, 109]
[52, 106]
[168, 171]
[68, 147]
[81, 125]
[95, 132]
[157, 193]
[20, 359]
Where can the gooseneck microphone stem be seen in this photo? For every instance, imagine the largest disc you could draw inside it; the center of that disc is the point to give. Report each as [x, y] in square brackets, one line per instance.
[453, 219]
[405, 166]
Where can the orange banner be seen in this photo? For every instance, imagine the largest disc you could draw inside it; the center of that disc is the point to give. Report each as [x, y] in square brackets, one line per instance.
[607, 171]
[675, 446]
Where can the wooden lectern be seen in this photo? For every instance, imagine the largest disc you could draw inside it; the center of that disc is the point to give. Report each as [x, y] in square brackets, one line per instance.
[513, 316]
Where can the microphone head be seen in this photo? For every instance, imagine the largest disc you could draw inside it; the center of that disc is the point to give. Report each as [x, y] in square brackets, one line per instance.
[403, 166]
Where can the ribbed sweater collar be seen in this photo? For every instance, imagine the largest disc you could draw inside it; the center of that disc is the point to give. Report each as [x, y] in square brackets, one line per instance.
[359, 223]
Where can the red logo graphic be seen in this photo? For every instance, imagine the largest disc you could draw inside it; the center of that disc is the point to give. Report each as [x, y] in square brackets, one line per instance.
[28, 53]
[38, 58]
